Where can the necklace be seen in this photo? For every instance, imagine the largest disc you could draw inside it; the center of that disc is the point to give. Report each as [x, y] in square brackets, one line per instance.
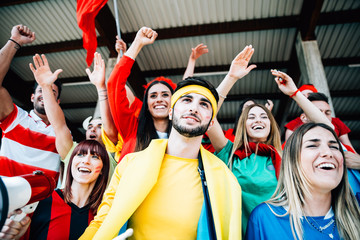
[321, 229]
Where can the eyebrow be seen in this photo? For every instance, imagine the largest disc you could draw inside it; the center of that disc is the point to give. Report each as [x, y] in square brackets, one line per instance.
[313, 140]
[161, 92]
[205, 100]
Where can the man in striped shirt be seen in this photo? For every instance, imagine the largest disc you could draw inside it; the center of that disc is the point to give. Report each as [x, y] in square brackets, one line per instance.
[28, 139]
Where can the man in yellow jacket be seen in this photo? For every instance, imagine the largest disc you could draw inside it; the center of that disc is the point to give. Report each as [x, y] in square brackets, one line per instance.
[174, 189]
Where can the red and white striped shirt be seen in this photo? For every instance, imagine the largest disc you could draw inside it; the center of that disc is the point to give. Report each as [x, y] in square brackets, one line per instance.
[28, 144]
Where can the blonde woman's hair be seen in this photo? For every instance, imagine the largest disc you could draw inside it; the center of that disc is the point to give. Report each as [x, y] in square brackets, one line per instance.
[293, 187]
[241, 136]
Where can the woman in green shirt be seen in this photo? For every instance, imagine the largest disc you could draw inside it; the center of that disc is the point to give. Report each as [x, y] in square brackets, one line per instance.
[255, 155]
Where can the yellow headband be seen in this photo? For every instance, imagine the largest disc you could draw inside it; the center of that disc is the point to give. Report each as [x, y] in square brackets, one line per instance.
[195, 89]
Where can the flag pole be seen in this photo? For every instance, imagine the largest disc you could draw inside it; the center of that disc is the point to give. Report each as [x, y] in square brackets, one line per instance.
[117, 22]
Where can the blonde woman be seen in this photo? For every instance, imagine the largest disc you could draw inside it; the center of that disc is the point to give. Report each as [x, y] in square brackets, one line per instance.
[313, 198]
[255, 155]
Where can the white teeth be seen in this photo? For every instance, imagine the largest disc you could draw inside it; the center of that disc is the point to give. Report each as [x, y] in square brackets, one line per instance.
[326, 166]
[258, 127]
[160, 107]
[82, 169]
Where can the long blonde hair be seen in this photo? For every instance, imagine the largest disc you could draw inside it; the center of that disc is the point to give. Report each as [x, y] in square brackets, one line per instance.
[241, 136]
[293, 186]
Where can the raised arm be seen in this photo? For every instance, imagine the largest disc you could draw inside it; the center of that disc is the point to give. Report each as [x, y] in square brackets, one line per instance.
[195, 54]
[120, 45]
[124, 118]
[288, 87]
[20, 35]
[97, 77]
[45, 78]
[239, 68]
[144, 36]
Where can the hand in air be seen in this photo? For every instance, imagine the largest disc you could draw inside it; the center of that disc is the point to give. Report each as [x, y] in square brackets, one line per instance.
[239, 66]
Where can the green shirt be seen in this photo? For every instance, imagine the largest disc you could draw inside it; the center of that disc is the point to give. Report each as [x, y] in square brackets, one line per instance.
[256, 175]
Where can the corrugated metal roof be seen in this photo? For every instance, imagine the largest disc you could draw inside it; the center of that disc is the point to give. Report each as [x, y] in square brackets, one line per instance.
[78, 115]
[159, 14]
[340, 40]
[343, 78]
[72, 62]
[339, 5]
[52, 21]
[79, 93]
[174, 53]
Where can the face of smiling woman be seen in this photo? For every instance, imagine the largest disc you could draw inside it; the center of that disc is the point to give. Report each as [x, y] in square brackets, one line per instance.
[257, 125]
[86, 168]
[158, 99]
[321, 160]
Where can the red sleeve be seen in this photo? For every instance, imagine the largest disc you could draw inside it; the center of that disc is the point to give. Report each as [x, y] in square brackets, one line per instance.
[340, 126]
[294, 124]
[124, 116]
[7, 121]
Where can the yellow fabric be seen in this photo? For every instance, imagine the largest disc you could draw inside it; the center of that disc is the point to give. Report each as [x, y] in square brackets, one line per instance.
[110, 146]
[139, 173]
[195, 89]
[178, 187]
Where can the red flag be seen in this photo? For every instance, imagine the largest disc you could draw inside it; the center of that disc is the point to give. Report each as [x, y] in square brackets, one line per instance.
[86, 12]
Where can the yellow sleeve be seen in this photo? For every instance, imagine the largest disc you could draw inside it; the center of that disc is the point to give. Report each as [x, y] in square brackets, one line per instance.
[106, 202]
[110, 146]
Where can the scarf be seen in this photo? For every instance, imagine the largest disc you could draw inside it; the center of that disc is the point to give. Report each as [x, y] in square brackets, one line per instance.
[262, 150]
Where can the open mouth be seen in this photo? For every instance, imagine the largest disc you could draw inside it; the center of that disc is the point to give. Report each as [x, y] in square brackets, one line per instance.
[258, 127]
[160, 107]
[326, 166]
[92, 136]
[84, 170]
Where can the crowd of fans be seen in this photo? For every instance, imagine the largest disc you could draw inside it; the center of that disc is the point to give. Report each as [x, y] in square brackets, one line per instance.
[163, 166]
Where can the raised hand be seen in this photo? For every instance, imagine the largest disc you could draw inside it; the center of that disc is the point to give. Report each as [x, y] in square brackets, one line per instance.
[284, 82]
[239, 66]
[22, 35]
[42, 72]
[269, 104]
[120, 45]
[97, 77]
[145, 36]
[198, 51]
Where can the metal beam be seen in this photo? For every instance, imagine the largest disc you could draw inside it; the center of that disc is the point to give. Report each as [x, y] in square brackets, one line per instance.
[5, 3]
[56, 47]
[308, 18]
[339, 17]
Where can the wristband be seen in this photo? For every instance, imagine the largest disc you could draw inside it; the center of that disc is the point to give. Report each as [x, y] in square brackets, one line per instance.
[295, 93]
[18, 45]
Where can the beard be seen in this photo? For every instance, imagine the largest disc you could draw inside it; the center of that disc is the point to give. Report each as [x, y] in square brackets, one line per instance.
[190, 132]
[40, 109]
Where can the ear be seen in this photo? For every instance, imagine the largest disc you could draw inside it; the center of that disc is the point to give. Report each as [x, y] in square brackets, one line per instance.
[170, 113]
[303, 118]
[58, 101]
[32, 97]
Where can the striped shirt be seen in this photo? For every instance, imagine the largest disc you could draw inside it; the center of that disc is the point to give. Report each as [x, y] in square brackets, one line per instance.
[56, 220]
[28, 144]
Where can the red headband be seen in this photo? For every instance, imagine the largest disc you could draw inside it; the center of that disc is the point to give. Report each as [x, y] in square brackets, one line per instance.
[158, 79]
[308, 87]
